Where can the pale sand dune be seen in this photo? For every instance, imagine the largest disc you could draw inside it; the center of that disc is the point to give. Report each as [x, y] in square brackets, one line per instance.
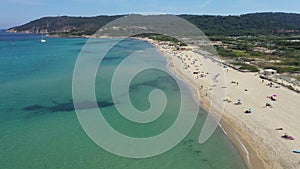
[253, 134]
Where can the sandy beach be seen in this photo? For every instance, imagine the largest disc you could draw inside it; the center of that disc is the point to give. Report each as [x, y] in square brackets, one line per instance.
[257, 135]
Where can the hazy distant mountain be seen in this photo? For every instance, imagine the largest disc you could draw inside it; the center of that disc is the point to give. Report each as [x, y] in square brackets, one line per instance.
[248, 24]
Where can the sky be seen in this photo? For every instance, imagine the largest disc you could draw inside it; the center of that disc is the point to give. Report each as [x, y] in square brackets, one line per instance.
[18, 12]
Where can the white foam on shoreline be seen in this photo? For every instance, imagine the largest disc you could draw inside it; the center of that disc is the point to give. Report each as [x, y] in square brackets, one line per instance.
[257, 128]
[244, 148]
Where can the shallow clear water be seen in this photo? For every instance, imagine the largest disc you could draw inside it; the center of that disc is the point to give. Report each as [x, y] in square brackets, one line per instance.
[39, 127]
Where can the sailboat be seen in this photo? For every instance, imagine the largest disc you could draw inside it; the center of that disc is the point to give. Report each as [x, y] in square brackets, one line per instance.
[43, 40]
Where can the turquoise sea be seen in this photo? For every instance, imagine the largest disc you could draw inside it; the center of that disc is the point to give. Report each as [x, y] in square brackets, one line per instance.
[40, 129]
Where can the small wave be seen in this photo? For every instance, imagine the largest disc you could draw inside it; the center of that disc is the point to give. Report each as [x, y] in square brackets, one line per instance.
[245, 150]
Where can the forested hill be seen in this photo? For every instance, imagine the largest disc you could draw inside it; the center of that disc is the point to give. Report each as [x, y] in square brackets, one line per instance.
[247, 24]
[65, 25]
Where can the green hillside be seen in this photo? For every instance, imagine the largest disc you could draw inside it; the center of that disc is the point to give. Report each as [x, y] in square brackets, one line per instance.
[248, 24]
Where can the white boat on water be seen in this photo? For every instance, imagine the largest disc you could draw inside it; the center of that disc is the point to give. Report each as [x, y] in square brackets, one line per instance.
[43, 40]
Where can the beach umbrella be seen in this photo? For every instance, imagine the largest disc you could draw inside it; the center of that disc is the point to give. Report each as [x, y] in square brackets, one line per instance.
[250, 109]
[275, 95]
